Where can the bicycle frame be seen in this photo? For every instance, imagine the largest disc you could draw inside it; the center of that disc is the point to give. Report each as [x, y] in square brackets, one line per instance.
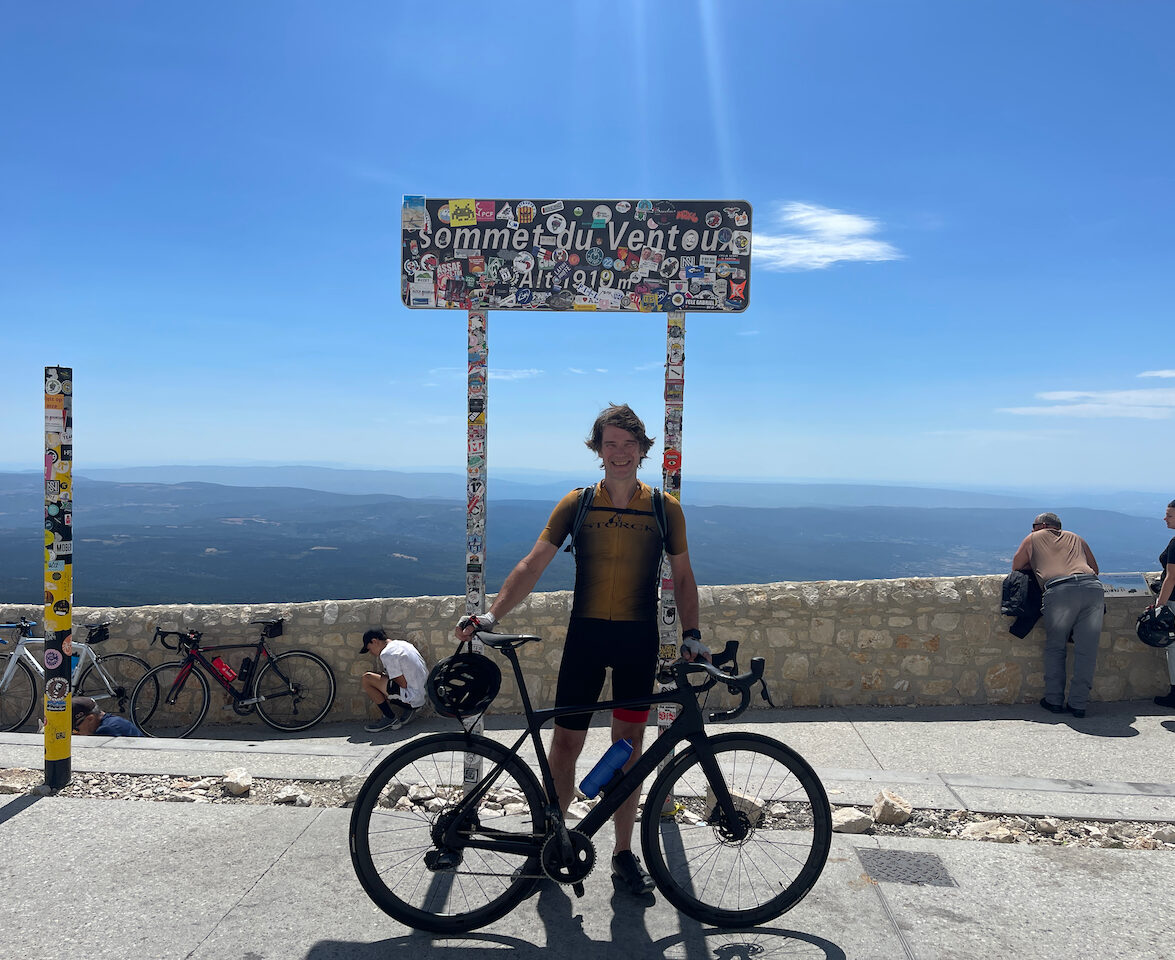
[688, 727]
[82, 651]
[196, 655]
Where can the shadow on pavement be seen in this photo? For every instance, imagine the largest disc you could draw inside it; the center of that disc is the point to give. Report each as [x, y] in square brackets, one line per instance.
[564, 936]
[760, 943]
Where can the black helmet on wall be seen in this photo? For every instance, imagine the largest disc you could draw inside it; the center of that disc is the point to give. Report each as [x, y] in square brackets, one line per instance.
[1156, 626]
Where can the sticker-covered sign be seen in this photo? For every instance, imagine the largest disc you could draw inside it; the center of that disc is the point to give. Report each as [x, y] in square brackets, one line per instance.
[611, 255]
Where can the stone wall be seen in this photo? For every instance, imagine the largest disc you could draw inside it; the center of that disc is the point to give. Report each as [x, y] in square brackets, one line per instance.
[873, 642]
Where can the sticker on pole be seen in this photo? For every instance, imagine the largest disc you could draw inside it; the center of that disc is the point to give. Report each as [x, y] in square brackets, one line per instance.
[605, 255]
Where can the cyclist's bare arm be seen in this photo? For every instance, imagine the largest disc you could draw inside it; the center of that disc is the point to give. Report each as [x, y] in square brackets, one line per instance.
[520, 582]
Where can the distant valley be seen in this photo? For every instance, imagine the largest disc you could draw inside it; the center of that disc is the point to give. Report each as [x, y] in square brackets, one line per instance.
[197, 541]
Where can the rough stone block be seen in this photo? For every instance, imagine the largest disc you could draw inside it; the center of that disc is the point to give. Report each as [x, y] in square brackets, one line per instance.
[795, 667]
[1002, 682]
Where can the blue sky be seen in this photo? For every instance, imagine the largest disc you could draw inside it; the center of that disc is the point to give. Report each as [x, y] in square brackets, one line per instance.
[962, 267]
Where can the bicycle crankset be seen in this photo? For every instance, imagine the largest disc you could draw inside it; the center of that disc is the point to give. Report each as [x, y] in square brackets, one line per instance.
[582, 861]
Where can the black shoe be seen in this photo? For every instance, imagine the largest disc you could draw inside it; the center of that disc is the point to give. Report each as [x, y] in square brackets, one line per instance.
[1079, 714]
[1051, 707]
[1166, 700]
[627, 872]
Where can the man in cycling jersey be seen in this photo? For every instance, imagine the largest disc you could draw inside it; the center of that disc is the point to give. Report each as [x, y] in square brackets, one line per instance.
[614, 614]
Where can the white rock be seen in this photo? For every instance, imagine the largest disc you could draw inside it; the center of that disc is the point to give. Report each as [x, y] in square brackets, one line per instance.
[237, 781]
[1165, 834]
[890, 808]
[578, 810]
[287, 794]
[516, 809]
[420, 792]
[204, 784]
[850, 820]
[351, 784]
[991, 830]
[303, 800]
[1047, 825]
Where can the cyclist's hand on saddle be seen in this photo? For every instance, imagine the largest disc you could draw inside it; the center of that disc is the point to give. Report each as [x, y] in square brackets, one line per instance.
[468, 624]
[692, 647]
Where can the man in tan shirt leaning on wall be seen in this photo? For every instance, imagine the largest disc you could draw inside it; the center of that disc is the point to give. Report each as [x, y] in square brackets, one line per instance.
[1074, 602]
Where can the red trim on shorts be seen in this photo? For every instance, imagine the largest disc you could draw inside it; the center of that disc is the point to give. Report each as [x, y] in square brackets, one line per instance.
[631, 716]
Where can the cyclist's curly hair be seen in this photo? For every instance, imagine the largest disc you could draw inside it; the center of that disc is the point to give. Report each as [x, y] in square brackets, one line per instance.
[619, 415]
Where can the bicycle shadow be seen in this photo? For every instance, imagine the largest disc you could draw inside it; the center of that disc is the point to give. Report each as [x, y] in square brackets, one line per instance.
[565, 936]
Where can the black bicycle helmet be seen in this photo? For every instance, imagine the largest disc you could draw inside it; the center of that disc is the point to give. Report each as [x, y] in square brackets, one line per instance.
[464, 684]
[1156, 626]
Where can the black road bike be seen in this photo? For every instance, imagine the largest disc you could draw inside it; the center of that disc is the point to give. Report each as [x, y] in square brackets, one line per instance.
[289, 691]
[453, 830]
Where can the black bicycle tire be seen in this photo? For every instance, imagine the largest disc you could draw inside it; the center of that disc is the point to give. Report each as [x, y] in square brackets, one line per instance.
[360, 837]
[32, 681]
[81, 685]
[146, 721]
[285, 658]
[653, 827]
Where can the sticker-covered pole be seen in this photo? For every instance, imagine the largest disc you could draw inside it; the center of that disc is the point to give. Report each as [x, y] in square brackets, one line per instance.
[476, 478]
[671, 484]
[58, 617]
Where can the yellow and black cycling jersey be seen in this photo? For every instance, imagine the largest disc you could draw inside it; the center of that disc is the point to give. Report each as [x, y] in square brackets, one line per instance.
[617, 552]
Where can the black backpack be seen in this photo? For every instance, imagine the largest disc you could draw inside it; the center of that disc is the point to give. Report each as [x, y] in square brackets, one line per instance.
[588, 494]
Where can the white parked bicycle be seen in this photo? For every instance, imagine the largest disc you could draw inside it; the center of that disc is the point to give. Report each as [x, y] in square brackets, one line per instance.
[109, 679]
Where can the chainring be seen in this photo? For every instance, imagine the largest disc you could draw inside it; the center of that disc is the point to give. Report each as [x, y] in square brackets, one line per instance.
[584, 858]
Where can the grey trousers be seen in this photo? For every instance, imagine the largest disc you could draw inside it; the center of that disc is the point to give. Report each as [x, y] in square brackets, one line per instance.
[1074, 606]
[1171, 651]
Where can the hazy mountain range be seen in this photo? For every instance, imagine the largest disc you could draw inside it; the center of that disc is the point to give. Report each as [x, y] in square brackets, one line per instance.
[216, 534]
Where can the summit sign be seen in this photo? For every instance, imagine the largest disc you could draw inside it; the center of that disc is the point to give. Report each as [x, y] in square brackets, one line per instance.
[614, 255]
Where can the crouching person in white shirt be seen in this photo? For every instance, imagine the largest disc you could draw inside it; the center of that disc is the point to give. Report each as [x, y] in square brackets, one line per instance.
[398, 688]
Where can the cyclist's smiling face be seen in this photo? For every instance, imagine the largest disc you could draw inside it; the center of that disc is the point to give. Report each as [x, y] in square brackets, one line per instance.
[621, 453]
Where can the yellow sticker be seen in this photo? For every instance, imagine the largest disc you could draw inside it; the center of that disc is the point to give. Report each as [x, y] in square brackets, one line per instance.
[58, 727]
[462, 213]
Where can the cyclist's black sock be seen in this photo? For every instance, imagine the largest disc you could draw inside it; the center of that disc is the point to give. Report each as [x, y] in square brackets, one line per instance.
[386, 709]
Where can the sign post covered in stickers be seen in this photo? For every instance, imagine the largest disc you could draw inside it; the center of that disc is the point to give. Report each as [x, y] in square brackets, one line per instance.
[58, 572]
[640, 256]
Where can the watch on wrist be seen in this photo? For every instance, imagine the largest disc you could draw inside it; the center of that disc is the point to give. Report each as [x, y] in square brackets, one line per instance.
[692, 634]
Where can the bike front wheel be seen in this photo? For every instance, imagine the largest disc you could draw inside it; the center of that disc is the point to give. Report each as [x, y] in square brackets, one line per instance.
[408, 804]
[744, 873]
[171, 700]
[299, 689]
[18, 698]
[111, 680]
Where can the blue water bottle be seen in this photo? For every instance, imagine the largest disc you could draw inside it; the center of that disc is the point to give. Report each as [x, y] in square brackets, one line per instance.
[609, 765]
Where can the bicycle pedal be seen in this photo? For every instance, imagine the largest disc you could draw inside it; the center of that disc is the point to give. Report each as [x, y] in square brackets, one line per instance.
[577, 889]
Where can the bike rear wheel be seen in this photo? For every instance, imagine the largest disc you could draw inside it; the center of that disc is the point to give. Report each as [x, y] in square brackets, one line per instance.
[171, 700]
[402, 812]
[111, 681]
[18, 700]
[750, 872]
[299, 689]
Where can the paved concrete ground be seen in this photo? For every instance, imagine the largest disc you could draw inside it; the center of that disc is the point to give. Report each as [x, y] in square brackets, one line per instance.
[158, 880]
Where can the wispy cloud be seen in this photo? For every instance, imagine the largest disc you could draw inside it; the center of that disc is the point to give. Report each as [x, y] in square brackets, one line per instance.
[1157, 373]
[601, 370]
[816, 237]
[514, 374]
[1154, 404]
[576, 370]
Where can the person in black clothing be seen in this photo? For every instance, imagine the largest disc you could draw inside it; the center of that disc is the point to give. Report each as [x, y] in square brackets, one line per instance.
[1166, 588]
